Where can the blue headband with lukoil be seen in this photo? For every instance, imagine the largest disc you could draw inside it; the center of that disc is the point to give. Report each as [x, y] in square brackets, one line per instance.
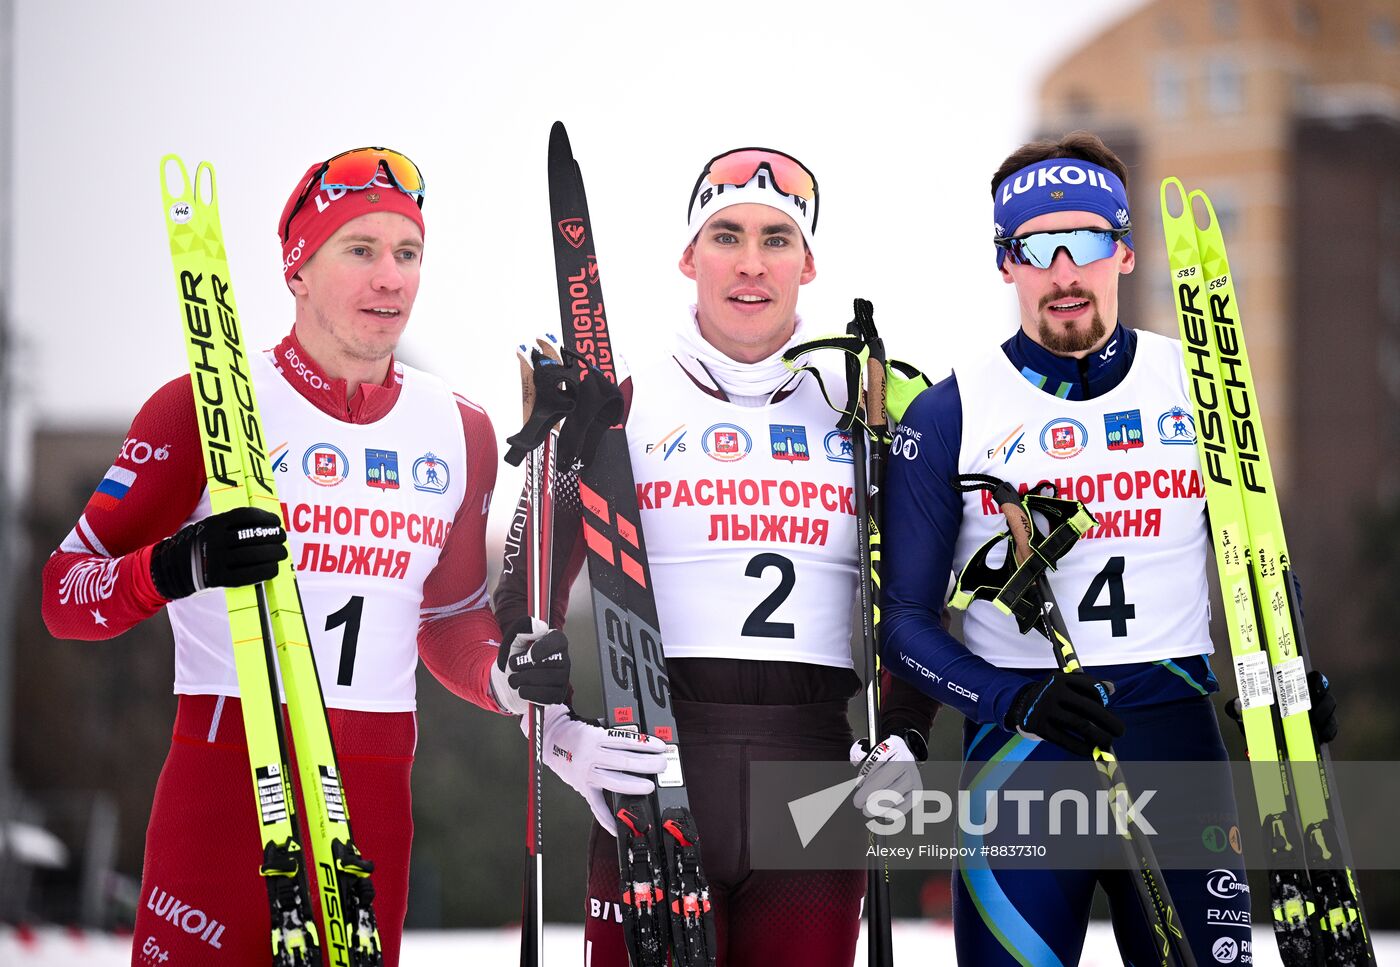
[1057, 185]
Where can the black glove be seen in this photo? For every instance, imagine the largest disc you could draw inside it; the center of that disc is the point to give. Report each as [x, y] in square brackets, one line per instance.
[1322, 716]
[1069, 709]
[532, 667]
[599, 407]
[229, 550]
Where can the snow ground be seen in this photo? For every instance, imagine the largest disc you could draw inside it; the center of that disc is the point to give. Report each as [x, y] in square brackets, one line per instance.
[915, 942]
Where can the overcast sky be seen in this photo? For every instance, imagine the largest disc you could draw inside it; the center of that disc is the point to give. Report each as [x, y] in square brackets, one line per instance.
[902, 110]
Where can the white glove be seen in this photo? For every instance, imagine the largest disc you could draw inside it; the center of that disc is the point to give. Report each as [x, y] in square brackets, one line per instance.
[891, 766]
[595, 760]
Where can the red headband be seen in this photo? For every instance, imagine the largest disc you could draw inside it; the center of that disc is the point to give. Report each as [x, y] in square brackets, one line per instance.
[326, 209]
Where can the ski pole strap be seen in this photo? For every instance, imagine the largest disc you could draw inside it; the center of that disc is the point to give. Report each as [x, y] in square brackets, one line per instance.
[551, 394]
[903, 381]
[566, 389]
[1011, 585]
[849, 414]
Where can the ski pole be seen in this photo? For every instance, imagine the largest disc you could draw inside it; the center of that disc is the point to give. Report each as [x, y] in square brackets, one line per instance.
[1152, 893]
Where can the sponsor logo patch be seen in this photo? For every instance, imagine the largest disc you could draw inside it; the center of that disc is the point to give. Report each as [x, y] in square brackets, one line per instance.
[382, 469]
[1176, 427]
[1225, 950]
[1123, 430]
[430, 473]
[325, 465]
[789, 442]
[1063, 438]
[837, 445]
[1227, 918]
[1213, 839]
[190, 919]
[139, 451]
[906, 443]
[1224, 885]
[727, 442]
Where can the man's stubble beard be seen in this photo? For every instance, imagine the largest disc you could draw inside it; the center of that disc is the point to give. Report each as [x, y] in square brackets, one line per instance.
[1057, 340]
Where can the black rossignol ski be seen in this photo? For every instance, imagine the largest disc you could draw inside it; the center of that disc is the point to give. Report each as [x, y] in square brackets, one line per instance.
[1317, 912]
[665, 898]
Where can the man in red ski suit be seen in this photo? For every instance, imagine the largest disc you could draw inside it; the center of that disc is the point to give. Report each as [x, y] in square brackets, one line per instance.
[385, 477]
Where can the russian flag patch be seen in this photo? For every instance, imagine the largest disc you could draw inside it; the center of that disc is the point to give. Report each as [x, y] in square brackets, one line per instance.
[113, 487]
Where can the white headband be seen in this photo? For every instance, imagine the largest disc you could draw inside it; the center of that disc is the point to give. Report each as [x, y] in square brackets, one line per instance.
[759, 190]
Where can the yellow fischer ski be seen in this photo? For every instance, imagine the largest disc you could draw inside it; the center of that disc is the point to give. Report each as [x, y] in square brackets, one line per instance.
[1316, 908]
[267, 616]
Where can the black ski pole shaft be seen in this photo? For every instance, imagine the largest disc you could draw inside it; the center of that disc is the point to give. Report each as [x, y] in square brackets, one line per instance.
[866, 452]
[1162, 917]
[539, 553]
[1158, 908]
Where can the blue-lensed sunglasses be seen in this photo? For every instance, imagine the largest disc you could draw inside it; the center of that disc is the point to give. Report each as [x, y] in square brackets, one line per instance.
[1084, 245]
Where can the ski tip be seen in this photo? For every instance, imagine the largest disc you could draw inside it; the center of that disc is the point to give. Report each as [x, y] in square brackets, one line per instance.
[1173, 197]
[1201, 207]
[171, 168]
[206, 193]
[559, 139]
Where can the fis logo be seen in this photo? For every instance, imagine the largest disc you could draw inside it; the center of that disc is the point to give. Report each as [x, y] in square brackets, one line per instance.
[1123, 430]
[789, 443]
[673, 442]
[278, 459]
[1010, 446]
[382, 469]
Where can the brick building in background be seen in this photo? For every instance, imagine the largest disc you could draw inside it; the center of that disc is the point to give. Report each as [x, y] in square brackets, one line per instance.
[1287, 113]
